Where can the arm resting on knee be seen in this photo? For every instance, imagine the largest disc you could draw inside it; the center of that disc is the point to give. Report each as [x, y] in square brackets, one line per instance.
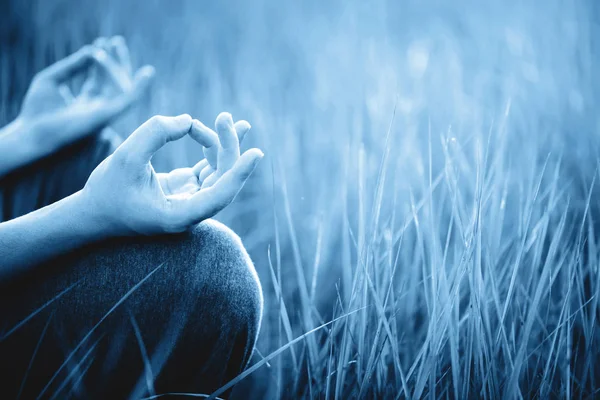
[123, 196]
[48, 232]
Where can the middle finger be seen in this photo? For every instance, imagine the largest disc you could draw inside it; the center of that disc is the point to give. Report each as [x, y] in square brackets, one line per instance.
[241, 128]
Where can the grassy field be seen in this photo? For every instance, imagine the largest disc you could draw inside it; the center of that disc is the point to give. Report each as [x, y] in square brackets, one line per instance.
[424, 223]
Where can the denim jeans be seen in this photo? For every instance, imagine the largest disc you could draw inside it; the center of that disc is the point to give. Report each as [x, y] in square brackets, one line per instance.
[127, 317]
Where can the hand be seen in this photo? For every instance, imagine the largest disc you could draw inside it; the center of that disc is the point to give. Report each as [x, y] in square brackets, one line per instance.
[60, 117]
[205, 173]
[114, 76]
[127, 196]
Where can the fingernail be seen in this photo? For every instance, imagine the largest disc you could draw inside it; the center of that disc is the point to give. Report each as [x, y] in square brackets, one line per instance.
[225, 119]
[185, 119]
[259, 157]
[246, 125]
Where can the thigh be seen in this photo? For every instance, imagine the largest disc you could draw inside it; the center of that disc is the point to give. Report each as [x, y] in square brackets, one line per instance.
[54, 177]
[132, 316]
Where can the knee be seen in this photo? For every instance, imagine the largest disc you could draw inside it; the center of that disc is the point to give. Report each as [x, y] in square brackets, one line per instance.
[225, 278]
[205, 271]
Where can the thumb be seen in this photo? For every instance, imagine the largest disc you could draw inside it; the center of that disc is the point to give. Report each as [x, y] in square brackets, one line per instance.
[139, 88]
[233, 180]
[207, 202]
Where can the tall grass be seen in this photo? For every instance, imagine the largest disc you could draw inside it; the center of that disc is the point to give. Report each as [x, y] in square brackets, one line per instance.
[424, 223]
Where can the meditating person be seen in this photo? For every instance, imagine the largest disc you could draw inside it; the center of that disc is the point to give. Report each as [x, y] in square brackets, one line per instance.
[114, 282]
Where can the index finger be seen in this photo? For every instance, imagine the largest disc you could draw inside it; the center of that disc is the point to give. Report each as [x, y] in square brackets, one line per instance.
[154, 134]
[203, 135]
[99, 113]
[117, 75]
[69, 66]
[229, 152]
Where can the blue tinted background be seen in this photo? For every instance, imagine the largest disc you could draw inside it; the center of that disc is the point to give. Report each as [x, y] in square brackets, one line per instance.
[482, 91]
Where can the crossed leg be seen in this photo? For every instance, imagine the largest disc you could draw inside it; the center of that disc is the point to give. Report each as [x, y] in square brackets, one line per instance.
[126, 317]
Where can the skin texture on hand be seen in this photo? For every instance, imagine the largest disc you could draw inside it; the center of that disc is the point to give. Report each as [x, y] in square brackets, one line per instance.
[124, 196]
[204, 173]
[59, 116]
[126, 192]
[52, 116]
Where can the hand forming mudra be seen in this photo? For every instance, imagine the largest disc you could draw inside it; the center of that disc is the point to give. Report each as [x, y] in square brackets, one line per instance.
[129, 197]
[61, 225]
[123, 195]
[60, 115]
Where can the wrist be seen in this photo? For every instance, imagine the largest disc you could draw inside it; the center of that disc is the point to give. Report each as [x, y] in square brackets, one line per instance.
[24, 126]
[28, 133]
[35, 132]
[91, 223]
[16, 129]
[17, 146]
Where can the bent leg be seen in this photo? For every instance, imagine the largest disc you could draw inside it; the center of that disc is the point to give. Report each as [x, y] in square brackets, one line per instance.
[135, 316]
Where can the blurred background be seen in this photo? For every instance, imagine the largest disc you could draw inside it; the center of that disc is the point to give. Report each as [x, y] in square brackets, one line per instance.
[429, 169]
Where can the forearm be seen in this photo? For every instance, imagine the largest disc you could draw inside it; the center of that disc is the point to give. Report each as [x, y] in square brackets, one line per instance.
[22, 143]
[48, 232]
[19, 146]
